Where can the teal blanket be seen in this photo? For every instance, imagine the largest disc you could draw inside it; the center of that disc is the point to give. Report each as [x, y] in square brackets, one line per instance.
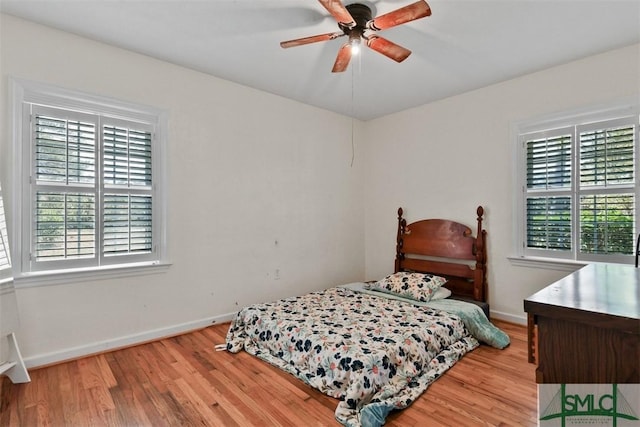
[472, 315]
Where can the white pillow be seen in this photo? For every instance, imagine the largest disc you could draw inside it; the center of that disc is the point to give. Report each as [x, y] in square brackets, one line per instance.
[441, 293]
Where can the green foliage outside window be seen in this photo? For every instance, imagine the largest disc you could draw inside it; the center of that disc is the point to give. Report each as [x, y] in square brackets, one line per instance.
[606, 224]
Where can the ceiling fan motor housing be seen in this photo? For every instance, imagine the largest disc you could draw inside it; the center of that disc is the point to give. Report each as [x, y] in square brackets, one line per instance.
[361, 14]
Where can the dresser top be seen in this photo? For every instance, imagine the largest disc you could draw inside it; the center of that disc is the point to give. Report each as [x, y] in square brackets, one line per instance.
[608, 289]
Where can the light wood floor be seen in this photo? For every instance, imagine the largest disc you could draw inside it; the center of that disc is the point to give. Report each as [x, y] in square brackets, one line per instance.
[183, 381]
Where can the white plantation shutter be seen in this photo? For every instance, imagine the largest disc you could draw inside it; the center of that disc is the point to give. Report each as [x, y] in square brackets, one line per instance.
[128, 199]
[65, 149]
[127, 224]
[65, 154]
[580, 191]
[92, 190]
[606, 155]
[64, 226]
[549, 223]
[607, 178]
[549, 161]
[127, 157]
[607, 224]
[548, 201]
[5, 254]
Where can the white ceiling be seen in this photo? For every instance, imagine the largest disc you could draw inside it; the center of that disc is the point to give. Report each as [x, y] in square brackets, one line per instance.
[463, 45]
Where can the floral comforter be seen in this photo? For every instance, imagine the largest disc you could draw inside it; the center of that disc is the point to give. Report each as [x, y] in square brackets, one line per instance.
[372, 353]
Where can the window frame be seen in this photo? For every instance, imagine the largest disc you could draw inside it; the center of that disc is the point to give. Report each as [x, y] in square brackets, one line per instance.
[552, 124]
[26, 93]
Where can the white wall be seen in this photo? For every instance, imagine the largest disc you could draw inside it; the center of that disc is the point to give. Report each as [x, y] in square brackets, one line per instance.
[443, 159]
[246, 169]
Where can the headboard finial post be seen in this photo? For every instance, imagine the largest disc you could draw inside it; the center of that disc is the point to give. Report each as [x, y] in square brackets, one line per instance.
[399, 254]
[481, 256]
[480, 250]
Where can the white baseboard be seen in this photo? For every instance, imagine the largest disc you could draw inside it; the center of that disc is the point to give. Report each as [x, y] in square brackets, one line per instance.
[124, 341]
[508, 317]
[156, 334]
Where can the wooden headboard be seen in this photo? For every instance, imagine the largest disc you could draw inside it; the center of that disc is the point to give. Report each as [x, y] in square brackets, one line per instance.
[445, 248]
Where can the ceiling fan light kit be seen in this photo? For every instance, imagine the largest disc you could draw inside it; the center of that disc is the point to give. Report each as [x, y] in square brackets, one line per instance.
[356, 21]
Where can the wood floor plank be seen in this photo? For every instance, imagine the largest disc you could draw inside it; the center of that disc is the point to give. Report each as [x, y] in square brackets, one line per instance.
[9, 404]
[130, 395]
[55, 394]
[250, 403]
[183, 380]
[90, 372]
[105, 370]
[148, 359]
[199, 411]
[76, 395]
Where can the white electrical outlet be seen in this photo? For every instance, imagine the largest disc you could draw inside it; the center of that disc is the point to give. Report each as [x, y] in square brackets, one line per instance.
[276, 274]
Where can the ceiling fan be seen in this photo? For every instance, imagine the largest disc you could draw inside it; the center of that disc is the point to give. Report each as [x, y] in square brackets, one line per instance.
[354, 20]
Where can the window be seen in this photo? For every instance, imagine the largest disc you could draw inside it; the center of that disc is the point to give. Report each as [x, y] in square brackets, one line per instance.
[579, 185]
[92, 182]
[5, 256]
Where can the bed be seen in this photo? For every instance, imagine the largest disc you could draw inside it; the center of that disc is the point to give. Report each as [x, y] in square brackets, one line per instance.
[376, 346]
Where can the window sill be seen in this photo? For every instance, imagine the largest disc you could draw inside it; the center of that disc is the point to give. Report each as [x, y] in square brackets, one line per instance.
[6, 286]
[85, 274]
[546, 263]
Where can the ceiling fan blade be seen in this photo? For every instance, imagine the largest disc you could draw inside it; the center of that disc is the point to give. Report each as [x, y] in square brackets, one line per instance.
[388, 48]
[310, 39]
[339, 12]
[414, 11]
[343, 58]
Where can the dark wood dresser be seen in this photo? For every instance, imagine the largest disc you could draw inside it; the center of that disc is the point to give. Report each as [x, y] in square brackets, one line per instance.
[585, 328]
